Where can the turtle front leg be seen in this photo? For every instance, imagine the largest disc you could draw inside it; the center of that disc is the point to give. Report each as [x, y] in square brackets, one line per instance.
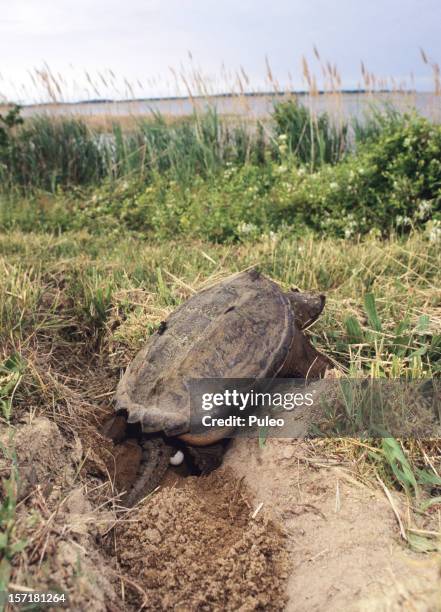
[152, 468]
[139, 461]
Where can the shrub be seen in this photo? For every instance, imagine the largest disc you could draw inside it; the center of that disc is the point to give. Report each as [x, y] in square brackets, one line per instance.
[393, 182]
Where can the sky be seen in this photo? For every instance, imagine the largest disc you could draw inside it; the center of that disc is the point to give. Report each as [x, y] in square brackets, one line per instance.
[140, 41]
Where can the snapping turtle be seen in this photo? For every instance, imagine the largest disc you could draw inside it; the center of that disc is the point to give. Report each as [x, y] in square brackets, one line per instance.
[242, 327]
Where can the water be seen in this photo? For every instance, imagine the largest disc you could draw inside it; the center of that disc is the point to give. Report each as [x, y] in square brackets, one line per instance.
[257, 106]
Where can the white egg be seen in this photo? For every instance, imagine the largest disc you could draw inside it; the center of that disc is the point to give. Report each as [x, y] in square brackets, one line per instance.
[177, 458]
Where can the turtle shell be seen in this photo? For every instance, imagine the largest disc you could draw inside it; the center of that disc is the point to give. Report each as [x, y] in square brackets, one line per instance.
[241, 327]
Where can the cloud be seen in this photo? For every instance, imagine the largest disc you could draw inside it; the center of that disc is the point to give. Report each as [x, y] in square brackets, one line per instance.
[142, 38]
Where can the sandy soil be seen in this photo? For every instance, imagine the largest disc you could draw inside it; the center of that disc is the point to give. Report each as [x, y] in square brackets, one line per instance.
[57, 516]
[272, 530]
[342, 537]
[195, 546]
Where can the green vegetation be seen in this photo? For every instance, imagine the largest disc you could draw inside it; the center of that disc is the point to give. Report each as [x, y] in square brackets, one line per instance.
[311, 140]
[382, 315]
[212, 179]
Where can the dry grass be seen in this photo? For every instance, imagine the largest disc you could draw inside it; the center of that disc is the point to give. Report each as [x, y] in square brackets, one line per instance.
[51, 90]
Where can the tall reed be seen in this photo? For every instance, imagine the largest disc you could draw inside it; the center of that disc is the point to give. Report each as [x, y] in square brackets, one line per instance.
[47, 153]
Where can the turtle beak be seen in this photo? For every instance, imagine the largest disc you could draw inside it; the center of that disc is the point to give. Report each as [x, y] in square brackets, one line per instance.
[307, 307]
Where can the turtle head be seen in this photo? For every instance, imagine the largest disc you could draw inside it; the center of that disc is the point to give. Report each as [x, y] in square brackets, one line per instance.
[306, 307]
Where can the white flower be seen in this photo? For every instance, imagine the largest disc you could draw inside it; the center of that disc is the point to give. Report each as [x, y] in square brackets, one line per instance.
[400, 220]
[435, 235]
[434, 232]
[271, 237]
[424, 209]
[246, 228]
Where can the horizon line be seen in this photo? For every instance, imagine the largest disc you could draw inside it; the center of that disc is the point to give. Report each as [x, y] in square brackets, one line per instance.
[246, 94]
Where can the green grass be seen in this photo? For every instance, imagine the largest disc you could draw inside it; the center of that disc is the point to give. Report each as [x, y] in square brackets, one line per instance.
[48, 153]
[204, 178]
[382, 314]
[11, 372]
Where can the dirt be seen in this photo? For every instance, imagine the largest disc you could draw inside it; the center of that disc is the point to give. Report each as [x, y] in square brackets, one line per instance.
[342, 536]
[197, 547]
[128, 456]
[57, 519]
[39, 446]
[276, 528]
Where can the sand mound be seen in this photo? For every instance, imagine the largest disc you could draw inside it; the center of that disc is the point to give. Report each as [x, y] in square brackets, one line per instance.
[194, 544]
[55, 518]
[196, 547]
[42, 454]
